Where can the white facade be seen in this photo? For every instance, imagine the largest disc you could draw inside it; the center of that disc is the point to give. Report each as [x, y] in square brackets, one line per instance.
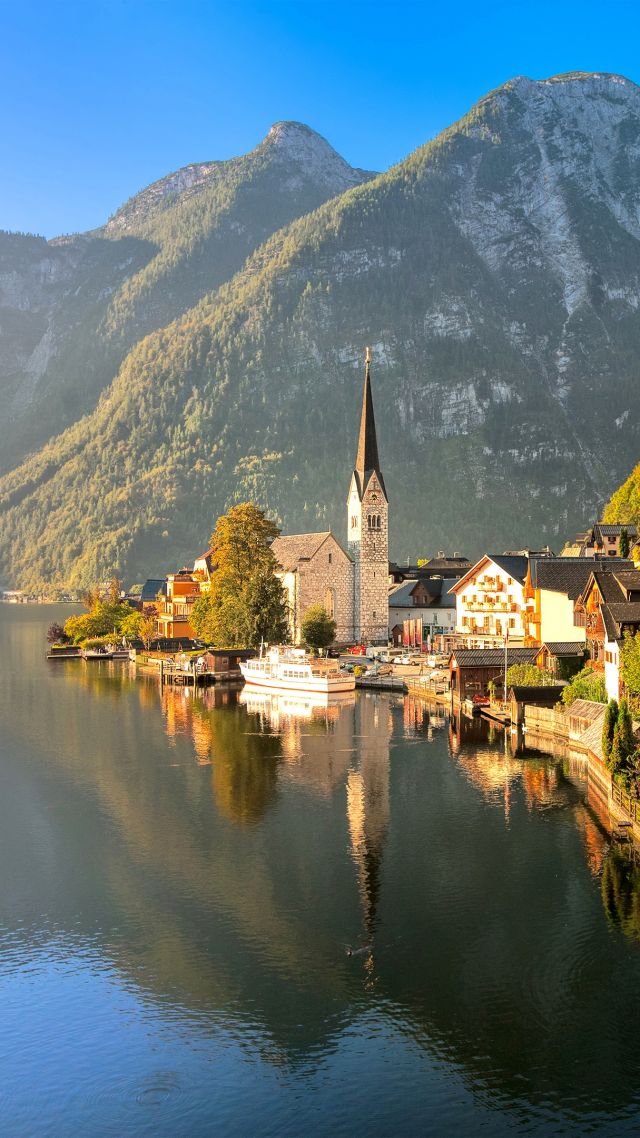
[490, 601]
[612, 668]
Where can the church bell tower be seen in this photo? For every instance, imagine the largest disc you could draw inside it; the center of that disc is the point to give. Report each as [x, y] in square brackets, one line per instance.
[368, 529]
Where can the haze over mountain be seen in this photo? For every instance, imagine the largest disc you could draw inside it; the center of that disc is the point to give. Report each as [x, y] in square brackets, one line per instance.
[212, 335]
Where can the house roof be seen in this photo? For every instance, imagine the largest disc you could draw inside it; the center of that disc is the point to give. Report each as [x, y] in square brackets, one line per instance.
[401, 596]
[515, 565]
[565, 647]
[293, 548]
[570, 574]
[153, 586]
[542, 693]
[586, 709]
[493, 657]
[608, 530]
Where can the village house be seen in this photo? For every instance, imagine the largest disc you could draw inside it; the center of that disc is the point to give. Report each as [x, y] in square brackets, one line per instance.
[421, 610]
[601, 540]
[351, 584]
[609, 607]
[174, 610]
[551, 589]
[490, 601]
[471, 670]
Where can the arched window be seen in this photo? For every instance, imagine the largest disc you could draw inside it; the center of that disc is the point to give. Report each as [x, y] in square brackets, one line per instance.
[330, 603]
[379, 522]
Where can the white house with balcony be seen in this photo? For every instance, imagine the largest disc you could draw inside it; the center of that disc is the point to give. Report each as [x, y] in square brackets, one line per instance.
[490, 601]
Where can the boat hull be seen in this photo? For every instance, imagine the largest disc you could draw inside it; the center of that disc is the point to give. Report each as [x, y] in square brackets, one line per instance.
[315, 685]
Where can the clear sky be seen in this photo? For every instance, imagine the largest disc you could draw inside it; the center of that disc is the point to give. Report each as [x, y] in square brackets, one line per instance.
[98, 98]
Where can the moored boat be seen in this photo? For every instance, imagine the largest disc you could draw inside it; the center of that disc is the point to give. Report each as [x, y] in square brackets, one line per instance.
[292, 669]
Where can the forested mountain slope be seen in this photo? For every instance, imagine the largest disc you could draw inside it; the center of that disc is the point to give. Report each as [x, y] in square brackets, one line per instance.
[496, 273]
[71, 308]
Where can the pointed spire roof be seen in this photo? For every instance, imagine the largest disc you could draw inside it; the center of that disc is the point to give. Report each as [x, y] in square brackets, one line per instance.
[367, 461]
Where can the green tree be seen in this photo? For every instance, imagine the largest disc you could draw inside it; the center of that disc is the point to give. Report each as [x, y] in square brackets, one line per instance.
[587, 684]
[140, 626]
[527, 675]
[104, 619]
[630, 667]
[624, 542]
[608, 727]
[246, 602]
[318, 629]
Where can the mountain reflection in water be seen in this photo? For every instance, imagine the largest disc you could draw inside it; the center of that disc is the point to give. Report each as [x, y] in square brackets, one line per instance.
[211, 857]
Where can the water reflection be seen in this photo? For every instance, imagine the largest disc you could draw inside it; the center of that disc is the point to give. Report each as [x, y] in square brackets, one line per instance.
[216, 854]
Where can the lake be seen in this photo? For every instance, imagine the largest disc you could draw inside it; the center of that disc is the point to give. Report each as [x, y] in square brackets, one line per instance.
[223, 914]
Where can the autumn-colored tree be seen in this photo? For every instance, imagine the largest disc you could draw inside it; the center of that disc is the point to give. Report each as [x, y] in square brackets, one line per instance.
[246, 602]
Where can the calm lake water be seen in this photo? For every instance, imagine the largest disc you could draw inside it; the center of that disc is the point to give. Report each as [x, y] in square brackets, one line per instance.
[181, 877]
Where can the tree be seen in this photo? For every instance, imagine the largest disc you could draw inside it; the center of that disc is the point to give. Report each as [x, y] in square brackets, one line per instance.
[104, 619]
[139, 626]
[318, 629]
[622, 761]
[57, 635]
[630, 654]
[527, 675]
[587, 684]
[608, 727]
[624, 542]
[246, 602]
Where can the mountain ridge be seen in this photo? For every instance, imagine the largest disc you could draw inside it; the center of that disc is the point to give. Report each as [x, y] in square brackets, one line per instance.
[495, 273]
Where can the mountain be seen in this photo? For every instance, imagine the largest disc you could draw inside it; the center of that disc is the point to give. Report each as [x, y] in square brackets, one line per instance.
[70, 309]
[496, 274]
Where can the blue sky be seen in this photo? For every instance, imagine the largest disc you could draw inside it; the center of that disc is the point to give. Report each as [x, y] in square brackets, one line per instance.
[98, 98]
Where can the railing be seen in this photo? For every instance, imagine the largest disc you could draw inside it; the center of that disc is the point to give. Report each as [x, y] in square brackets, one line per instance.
[631, 806]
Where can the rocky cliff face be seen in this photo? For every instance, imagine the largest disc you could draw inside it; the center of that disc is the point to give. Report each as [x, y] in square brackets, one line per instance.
[70, 309]
[496, 273]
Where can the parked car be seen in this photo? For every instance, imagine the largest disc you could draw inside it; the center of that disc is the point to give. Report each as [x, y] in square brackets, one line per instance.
[357, 650]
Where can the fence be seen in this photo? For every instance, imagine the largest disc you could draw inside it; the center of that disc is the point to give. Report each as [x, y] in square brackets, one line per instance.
[546, 719]
[631, 806]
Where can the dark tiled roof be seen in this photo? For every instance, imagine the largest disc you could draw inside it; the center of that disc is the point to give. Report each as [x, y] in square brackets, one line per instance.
[565, 647]
[514, 565]
[152, 587]
[625, 612]
[493, 657]
[615, 530]
[543, 693]
[401, 596]
[570, 574]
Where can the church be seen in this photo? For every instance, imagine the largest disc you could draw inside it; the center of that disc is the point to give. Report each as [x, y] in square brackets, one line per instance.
[351, 584]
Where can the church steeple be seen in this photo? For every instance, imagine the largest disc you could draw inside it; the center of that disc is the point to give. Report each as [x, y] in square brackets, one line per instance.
[368, 529]
[367, 461]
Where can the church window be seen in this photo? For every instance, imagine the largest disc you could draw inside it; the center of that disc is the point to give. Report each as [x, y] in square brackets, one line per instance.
[330, 558]
[330, 603]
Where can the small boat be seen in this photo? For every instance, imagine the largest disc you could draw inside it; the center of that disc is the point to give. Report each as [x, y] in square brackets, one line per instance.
[292, 669]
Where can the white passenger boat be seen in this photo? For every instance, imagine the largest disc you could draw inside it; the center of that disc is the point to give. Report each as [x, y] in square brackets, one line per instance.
[291, 669]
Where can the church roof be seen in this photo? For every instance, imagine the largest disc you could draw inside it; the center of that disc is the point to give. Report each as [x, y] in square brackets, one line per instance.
[367, 461]
[296, 547]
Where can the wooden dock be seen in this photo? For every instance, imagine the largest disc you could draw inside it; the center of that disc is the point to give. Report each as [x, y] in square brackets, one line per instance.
[381, 683]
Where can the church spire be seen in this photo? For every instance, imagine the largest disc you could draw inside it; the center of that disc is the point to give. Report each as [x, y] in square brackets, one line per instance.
[367, 461]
